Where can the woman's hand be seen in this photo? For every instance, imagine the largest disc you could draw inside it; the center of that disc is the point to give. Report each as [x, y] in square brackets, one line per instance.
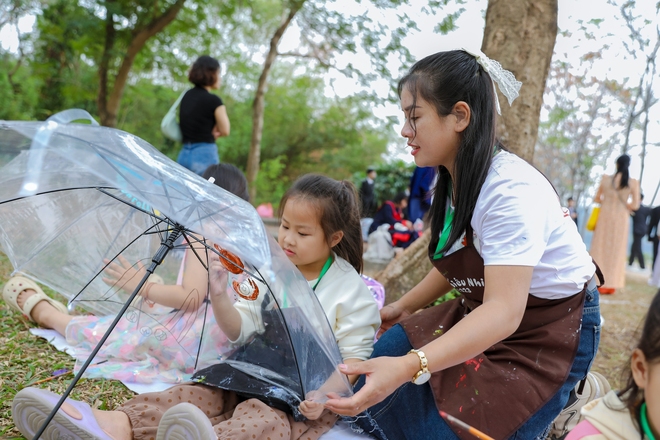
[215, 132]
[383, 376]
[390, 315]
[124, 275]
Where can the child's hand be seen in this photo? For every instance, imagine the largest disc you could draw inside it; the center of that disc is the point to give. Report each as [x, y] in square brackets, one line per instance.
[124, 275]
[310, 409]
[217, 277]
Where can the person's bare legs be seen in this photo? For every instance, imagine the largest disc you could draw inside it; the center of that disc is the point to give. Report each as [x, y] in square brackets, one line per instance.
[45, 314]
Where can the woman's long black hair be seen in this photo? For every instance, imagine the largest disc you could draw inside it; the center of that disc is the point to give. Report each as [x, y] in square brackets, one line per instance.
[622, 165]
[442, 80]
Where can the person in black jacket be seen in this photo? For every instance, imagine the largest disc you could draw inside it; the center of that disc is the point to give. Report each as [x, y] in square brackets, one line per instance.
[654, 218]
[640, 218]
[391, 213]
[367, 194]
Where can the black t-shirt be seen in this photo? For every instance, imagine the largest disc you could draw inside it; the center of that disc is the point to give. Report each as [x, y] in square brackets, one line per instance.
[197, 115]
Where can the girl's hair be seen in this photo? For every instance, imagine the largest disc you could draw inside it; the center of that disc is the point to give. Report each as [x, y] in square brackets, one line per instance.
[442, 80]
[622, 164]
[230, 178]
[338, 209]
[204, 71]
[649, 344]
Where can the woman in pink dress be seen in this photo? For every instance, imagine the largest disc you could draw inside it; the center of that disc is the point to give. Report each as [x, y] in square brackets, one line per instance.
[618, 196]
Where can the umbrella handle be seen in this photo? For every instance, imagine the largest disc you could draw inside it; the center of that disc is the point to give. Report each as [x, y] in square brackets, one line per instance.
[40, 141]
[72, 114]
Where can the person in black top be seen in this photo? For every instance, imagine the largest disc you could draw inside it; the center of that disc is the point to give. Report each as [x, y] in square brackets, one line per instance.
[202, 117]
[640, 218]
[367, 195]
[653, 231]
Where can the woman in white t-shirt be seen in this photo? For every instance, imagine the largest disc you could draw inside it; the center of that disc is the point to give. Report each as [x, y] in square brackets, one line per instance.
[505, 355]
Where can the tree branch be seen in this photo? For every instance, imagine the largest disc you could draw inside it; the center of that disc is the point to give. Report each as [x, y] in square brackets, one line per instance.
[140, 38]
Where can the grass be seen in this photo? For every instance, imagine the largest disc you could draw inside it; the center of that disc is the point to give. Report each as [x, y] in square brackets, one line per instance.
[26, 359]
[624, 313]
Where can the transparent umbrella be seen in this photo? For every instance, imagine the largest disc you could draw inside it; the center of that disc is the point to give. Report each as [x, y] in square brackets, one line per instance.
[75, 196]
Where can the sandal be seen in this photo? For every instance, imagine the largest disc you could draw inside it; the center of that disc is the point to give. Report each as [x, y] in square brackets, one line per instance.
[16, 285]
[31, 407]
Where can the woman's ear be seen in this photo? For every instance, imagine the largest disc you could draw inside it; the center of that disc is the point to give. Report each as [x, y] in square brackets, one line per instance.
[639, 368]
[463, 113]
[336, 238]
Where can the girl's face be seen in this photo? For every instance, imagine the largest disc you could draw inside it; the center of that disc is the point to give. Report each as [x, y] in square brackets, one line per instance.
[434, 139]
[647, 377]
[302, 238]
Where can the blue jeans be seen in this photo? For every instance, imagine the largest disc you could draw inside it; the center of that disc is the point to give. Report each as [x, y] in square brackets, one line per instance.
[198, 157]
[410, 412]
[417, 208]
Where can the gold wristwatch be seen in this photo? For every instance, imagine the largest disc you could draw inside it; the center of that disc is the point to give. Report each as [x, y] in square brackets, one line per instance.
[423, 375]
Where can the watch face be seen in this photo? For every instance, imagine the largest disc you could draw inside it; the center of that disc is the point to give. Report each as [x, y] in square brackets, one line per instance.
[422, 378]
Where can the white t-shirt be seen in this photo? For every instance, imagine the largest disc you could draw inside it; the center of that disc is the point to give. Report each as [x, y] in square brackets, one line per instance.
[519, 221]
[347, 302]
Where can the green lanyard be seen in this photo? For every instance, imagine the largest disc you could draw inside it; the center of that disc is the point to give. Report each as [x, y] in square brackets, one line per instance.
[645, 423]
[446, 230]
[326, 266]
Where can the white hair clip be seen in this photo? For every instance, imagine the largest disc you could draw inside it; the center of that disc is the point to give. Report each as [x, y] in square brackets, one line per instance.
[509, 85]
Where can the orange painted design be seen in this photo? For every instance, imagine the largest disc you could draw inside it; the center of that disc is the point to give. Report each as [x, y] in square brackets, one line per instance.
[237, 266]
[247, 290]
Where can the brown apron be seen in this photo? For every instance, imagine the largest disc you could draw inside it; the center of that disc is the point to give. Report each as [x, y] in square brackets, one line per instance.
[497, 391]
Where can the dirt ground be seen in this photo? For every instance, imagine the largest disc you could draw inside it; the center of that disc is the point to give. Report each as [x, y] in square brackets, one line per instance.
[623, 313]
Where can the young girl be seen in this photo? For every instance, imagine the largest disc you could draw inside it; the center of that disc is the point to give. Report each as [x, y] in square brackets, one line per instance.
[131, 355]
[503, 356]
[320, 233]
[634, 412]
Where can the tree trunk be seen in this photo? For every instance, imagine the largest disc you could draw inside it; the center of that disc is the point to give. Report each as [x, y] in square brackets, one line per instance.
[521, 34]
[109, 99]
[254, 156]
[405, 271]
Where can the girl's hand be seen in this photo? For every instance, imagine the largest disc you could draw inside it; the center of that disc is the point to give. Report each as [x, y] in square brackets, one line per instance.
[383, 376]
[390, 315]
[310, 409]
[124, 275]
[217, 277]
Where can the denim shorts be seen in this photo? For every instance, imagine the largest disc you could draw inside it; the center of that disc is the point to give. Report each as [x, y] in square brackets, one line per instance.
[198, 157]
[410, 412]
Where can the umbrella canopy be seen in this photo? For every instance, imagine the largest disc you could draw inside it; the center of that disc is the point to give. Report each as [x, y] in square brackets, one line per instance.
[74, 196]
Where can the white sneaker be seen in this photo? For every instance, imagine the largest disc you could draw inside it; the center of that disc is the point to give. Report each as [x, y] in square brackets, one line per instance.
[593, 387]
[185, 422]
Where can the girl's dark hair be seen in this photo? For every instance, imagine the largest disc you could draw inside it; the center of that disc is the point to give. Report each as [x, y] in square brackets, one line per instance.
[230, 178]
[204, 71]
[399, 197]
[622, 165]
[649, 344]
[442, 80]
[338, 208]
